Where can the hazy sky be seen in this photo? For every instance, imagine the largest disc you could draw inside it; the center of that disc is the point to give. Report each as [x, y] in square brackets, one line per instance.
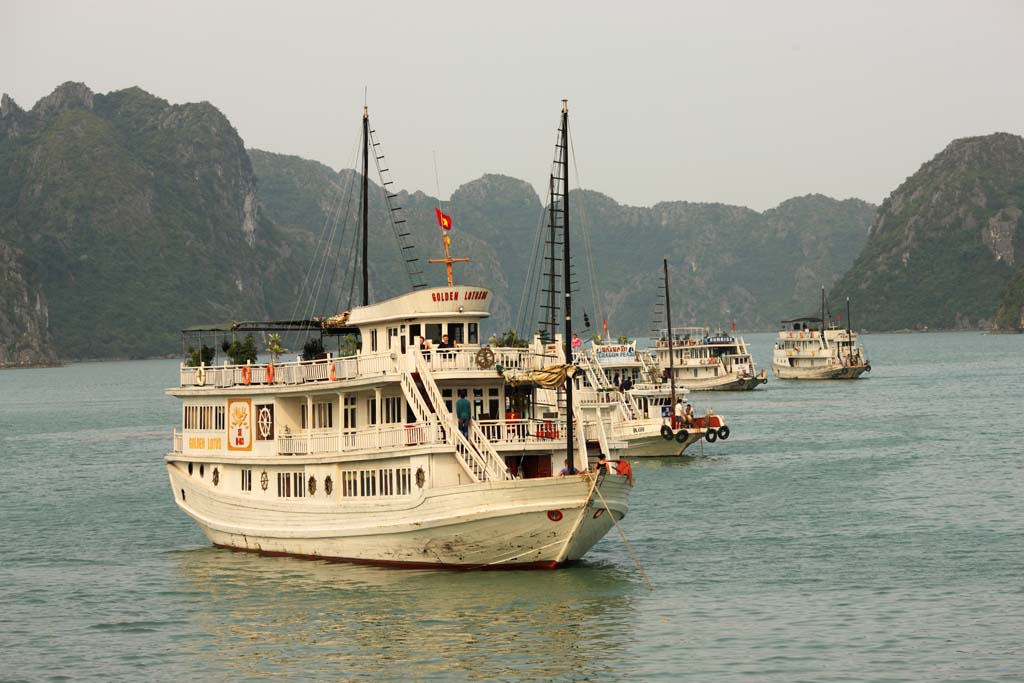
[739, 102]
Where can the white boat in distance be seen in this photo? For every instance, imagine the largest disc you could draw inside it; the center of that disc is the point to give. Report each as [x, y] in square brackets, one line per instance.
[360, 458]
[710, 362]
[810, 348]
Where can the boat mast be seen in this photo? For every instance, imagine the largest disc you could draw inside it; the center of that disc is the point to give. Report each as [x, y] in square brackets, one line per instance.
[552, 292]
[567, 341]
[823, 340]
[849, 333]
[366, 203]
[671, 359]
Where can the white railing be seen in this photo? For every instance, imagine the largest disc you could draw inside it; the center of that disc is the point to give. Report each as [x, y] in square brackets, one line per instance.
[464, 358]
[412, 393]
[522, 431]
[368, 439]
[476, 453]
[289, 373]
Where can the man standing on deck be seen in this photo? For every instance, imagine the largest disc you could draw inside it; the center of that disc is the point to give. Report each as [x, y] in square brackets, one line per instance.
[679, 414]
[463, 412]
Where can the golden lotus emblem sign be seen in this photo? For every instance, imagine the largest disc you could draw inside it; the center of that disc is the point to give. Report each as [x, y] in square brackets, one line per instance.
[239, 425]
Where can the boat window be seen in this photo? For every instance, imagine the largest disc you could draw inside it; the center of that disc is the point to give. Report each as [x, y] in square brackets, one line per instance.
[457, 332]
[433, 333]
[373, 341]
[371, 410]
[414, 331]
[323, 415]
[474, 337]
[349, 413]
[392, 409]
[247, 480]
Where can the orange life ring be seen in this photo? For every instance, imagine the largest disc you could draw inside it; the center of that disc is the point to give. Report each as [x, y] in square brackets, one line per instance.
[246, 374]
[270, 373]
[333, 374]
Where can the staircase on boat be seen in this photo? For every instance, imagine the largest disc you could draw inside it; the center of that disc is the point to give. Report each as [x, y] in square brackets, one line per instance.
[476, 453]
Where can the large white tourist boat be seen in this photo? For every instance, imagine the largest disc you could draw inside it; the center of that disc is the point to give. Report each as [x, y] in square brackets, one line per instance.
[811, 348]
[361, 457]
[709, 362]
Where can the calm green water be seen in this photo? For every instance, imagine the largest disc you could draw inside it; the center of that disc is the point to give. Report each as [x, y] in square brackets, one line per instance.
[861, 531]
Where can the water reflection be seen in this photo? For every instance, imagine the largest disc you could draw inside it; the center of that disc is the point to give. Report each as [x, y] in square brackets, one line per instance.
[256, 617]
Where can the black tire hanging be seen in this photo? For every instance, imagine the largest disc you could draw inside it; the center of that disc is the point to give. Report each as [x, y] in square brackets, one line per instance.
[723, 432]
[711, 435]
[666, 432]
[682, 435]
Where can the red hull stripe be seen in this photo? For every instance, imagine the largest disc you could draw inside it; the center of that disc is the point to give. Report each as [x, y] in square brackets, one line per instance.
[401, 564]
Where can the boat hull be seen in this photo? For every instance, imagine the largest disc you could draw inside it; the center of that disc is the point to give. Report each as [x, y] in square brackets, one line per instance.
[546, 523]
[658, 446]
[848, 372]
[726, 383]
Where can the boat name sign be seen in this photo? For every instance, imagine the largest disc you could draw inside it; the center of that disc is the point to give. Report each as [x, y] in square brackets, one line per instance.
[613, 351]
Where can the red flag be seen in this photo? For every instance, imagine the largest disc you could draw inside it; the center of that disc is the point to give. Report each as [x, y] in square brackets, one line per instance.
[839, 317]
[734, 327]
[444, 220]
[604, 326]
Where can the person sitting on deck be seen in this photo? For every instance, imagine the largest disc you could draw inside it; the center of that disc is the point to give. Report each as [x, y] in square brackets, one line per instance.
[688, 415]
[567, 470]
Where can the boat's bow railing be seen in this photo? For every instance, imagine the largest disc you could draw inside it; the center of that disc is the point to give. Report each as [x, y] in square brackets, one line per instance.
[476, 452]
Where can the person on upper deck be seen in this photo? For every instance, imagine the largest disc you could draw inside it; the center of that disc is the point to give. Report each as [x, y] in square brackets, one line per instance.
[576, 342]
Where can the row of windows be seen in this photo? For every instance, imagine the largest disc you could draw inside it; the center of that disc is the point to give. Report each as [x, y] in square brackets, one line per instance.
[204, 417]
[358, 483]
[381, 482]
[323, 415]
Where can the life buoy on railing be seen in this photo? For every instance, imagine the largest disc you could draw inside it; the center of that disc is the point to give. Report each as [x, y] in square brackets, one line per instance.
[200, 376]
[246, 374]
[333, 373]
[270, 373]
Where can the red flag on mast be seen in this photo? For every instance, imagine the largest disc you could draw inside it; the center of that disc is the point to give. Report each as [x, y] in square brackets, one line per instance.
[444, 220]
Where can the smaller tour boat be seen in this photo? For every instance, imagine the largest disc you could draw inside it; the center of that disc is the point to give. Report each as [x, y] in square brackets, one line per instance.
[811, 348]
[709, 362]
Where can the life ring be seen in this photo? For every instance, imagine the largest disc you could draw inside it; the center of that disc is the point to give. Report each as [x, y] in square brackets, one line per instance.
[246, 374]
[270, 373]
[666, 432]
[723, 432]
[682, 435]
[711, 435]
[333, 373]
[200, 376]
